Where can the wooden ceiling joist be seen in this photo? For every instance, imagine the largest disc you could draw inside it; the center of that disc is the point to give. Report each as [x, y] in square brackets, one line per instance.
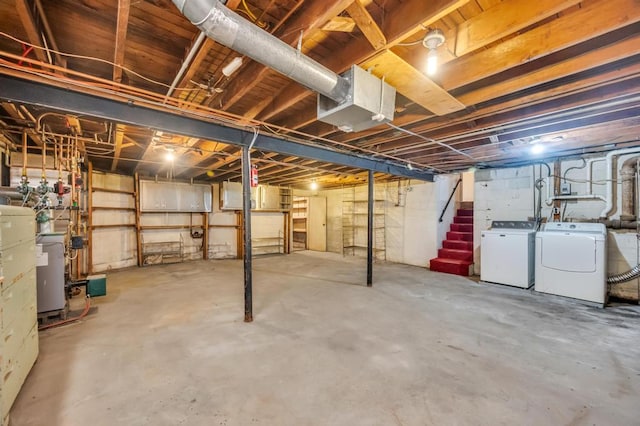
[122, 23]
[311, 18]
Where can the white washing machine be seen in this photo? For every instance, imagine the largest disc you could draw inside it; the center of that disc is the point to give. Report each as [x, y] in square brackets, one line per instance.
[571, 261]
[507, 253]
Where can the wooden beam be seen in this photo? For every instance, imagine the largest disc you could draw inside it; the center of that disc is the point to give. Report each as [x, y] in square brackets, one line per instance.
[313, 18]
[484, 63]
[503, 19]
[523, 107]
[412, 83]
[118, 146]
[367, 25]
[193, 172]
[570, 29]
[342, 24]
[60, 60]
[16, 114]
[29, 24]
[124, 7]
[197, 61]
[572, 66]
[412, 15]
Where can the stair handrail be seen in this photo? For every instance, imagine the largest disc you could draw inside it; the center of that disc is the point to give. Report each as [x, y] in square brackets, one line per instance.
[449, 200]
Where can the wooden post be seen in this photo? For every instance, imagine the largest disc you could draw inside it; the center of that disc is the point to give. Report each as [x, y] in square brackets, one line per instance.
[136, 186]
[205, 236]
[90, 219]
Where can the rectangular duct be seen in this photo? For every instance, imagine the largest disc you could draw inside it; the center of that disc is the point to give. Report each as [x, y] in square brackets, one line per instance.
[369, 102]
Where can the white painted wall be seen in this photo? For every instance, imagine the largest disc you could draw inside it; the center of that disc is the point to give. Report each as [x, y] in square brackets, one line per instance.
[412, 231]
[468, 183]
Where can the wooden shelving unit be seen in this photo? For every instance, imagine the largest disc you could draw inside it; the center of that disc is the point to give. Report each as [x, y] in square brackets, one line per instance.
[91, 208]
[286, 198]
[354, 223]
[299, 226]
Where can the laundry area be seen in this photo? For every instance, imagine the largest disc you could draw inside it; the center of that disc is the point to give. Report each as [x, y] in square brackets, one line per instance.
[311, 212]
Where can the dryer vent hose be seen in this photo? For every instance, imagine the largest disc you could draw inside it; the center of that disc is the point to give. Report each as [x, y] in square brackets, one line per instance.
[625, 276]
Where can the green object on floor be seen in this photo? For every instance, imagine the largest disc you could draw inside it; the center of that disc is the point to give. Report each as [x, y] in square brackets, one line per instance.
[97, 285]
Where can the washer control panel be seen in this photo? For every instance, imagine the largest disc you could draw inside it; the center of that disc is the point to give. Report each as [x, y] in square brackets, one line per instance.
[513, 224]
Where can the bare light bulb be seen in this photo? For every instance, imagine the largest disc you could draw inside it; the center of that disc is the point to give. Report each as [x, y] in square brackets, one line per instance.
[169, 156]
[432, 62]
[314, 185]
[537, 148]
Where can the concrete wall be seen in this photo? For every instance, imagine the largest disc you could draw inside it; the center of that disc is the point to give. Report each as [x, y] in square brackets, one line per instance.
[508, 194]
[412, 232]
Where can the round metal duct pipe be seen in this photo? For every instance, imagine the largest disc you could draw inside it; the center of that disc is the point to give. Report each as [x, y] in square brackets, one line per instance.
[229, 29]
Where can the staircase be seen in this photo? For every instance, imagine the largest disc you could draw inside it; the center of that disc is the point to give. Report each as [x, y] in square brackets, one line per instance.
[456, 254]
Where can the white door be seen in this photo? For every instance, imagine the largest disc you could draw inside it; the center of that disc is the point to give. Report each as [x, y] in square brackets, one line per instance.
[317, 224]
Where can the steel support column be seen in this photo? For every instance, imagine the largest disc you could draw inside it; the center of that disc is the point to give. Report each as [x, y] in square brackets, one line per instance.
[246, 222]
[370, 205]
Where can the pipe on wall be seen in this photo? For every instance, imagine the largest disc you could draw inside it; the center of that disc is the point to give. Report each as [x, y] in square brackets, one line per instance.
[606, 212]
[551, 198]
[229, 29]
[627, 175]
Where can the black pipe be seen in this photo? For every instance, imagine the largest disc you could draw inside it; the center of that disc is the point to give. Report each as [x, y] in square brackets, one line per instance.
[370, 203]
[246, 226]
[449, 200]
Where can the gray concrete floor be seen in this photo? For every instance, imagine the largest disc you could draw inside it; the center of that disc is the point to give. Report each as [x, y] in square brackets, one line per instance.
[168, 346]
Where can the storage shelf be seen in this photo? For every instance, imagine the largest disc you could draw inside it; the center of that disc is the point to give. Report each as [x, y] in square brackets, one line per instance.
[265, 245]
[354, 226]
[299, 223]
[132, 209]
[363, 247]
[160, 252]
[115, 191]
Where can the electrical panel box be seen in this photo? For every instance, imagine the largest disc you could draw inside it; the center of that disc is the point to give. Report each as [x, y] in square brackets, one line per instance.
[565, 189]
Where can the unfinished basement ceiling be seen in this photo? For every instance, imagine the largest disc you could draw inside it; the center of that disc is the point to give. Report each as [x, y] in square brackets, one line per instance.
[564, 74]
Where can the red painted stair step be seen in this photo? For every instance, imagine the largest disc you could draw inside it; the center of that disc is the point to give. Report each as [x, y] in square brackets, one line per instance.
[450, 266]
[465, 212]
[463, 219]
[445, 253]
[457, 245]
[462, 227]
[460, 236]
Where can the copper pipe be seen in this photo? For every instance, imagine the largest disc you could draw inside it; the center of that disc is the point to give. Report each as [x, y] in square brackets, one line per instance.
[24, 153]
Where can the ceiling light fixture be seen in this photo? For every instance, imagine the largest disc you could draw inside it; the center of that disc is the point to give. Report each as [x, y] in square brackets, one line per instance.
[170, 154]
[433, 40]
[537, 148]
[314, 185]
[232, 66]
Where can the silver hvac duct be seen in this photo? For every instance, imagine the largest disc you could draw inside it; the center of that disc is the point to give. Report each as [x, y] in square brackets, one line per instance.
[229, 29]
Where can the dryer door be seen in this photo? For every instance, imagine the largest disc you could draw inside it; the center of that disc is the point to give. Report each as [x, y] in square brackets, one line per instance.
[569, 252]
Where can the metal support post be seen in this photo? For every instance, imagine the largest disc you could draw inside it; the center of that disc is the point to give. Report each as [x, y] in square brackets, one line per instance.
[370, 204]
[246, 222]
